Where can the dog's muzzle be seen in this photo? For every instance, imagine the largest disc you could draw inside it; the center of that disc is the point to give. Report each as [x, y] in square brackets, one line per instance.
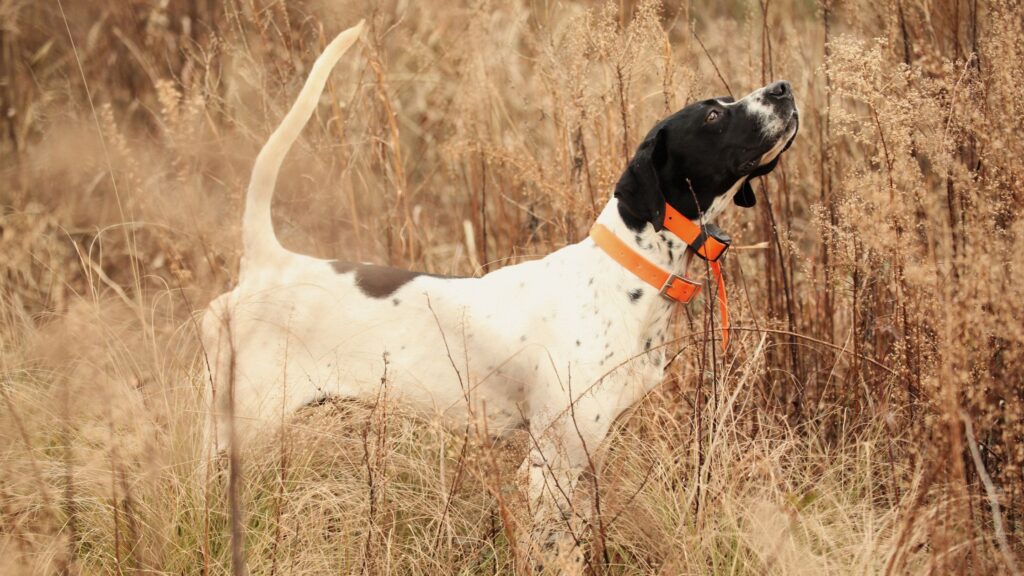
[779, 96]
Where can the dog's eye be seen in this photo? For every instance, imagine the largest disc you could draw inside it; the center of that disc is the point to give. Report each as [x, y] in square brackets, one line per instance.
[712, 116]
[748, 166]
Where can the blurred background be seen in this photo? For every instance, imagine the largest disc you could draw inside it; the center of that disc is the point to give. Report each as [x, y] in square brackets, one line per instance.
[868, 418]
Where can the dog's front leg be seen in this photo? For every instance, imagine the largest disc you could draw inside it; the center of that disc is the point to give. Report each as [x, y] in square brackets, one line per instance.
[560, 452]
[548, 476]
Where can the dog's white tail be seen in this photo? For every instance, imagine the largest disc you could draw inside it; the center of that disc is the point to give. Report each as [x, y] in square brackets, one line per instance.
[259, 243]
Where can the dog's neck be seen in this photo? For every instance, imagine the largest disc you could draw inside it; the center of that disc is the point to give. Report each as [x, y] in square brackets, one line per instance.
[663, 248]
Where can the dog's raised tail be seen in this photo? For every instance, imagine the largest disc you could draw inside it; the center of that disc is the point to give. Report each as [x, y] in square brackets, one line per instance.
[259, 243]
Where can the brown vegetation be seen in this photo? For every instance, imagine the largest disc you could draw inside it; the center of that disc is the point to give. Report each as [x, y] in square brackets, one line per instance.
[869, 417]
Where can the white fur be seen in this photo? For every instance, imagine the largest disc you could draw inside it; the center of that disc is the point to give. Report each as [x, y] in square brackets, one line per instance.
[771, 124]
[779, 145]
[720, 202]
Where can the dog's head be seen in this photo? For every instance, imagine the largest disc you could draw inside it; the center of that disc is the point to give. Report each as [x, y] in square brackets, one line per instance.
[704, 151]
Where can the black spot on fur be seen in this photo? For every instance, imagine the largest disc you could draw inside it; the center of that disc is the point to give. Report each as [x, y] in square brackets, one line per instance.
[635, 295]
[378, 281]
[647, 345]
[396, 301]
[597, 418]
[522, 338]
[577, 342]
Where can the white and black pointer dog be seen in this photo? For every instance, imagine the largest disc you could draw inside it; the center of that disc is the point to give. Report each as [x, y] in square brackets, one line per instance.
[507, 346]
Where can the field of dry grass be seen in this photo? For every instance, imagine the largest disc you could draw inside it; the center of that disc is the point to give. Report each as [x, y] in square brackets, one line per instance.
[868, 419]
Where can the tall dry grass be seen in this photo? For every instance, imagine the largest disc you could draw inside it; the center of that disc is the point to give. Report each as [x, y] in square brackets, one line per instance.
[869, 418]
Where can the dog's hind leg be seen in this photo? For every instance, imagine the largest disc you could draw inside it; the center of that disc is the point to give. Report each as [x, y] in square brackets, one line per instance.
[216, 359]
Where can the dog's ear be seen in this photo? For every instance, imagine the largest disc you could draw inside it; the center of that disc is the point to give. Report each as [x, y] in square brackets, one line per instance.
[745, 196]
[762, 170]
[639, 188]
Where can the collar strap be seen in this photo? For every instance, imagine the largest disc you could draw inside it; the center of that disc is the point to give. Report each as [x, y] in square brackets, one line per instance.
[723, 301]
[672, 286]
[710, 243]
[707, 241]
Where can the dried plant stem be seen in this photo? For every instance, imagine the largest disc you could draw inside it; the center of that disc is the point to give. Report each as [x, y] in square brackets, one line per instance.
[397, 163]
[374, 459]
[693, 30]
[338, 118]
[992, 495]
[238, 562]
[128, 230]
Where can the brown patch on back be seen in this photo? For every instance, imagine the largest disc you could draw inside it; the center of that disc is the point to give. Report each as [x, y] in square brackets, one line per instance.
[382, 281]
[378, 281]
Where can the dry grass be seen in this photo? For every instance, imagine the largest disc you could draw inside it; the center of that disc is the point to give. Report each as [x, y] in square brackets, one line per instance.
[869, 419]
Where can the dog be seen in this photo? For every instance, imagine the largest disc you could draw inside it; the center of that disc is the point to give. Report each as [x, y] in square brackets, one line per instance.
[524, 345]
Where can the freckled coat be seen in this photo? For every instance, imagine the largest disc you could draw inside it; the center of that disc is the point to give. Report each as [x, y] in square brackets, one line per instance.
[512, 342]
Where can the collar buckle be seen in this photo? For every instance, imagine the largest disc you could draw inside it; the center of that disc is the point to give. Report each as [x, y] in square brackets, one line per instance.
[679, 288]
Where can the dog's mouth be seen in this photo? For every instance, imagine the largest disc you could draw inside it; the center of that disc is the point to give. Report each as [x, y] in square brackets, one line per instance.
[786, 137]
[792, 127]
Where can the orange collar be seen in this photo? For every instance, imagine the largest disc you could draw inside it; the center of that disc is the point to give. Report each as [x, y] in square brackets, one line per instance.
[672, 286]
[707, 241]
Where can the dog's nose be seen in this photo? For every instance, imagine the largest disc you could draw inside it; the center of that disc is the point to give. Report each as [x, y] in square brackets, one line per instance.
[780, 90]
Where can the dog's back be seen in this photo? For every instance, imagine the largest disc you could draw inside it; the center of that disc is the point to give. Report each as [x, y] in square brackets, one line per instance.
[307, 329]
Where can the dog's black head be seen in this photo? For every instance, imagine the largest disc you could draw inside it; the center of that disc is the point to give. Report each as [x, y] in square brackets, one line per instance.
[704, 151]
